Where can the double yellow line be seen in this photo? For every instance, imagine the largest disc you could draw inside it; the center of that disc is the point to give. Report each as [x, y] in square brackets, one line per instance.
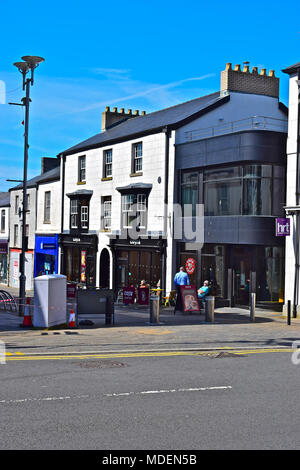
[212, 352]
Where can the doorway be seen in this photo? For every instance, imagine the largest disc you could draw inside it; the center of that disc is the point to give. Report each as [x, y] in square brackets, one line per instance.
[104, 268]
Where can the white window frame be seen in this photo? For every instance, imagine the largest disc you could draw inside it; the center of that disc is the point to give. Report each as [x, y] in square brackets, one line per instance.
[73, 213]
[106, 218]
[142, 209]
[84, 216]
[47, 207]
[138, 157]
[82, 169]
[3, 220]
[127, 203]
[108, 163]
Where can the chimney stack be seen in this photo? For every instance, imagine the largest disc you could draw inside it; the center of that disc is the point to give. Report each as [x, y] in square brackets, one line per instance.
[233, 79]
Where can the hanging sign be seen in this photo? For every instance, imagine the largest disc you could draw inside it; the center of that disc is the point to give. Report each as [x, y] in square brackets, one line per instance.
[128, 295]
[190, 265]
[282, 227]
[143, 295]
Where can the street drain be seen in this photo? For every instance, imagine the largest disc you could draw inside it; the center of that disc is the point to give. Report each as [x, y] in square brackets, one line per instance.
[90, 364]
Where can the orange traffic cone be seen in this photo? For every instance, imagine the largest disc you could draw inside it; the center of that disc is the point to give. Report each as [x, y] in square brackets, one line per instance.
[27, 321]
[72, 322]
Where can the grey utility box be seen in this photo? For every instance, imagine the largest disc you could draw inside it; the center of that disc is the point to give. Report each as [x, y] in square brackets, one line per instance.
[50, 300]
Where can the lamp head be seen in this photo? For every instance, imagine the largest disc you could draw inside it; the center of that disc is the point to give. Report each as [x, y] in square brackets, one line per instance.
[32, 60]
[23, 67]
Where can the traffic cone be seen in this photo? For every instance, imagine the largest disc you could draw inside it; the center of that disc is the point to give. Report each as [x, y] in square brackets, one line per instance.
[27, 321]
[72, 321]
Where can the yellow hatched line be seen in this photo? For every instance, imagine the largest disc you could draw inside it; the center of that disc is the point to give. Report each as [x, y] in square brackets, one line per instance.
[145, 354]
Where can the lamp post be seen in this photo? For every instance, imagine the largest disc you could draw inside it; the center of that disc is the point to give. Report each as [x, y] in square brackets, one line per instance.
[29, 64]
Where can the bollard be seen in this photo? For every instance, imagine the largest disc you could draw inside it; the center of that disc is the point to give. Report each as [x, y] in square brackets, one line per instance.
[289, 312]
[252, 306]
[154, 309]
[210, 309]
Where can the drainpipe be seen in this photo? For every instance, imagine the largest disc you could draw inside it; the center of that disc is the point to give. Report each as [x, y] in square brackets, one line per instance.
[296, 280]
[63, 161]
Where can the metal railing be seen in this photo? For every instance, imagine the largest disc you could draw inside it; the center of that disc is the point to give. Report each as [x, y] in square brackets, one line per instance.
[252, 123]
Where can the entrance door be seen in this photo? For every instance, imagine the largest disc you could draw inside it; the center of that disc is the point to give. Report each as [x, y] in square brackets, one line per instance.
[104, 268]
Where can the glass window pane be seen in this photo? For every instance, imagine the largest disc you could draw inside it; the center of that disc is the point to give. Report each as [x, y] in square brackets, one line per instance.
[257, 196]
[222, 173]
[222, 198]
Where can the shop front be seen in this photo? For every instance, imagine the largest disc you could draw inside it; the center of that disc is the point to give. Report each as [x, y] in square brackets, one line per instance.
[3, 261]
[138, 260]
[233, 270]
[46, 255]
[78, 258]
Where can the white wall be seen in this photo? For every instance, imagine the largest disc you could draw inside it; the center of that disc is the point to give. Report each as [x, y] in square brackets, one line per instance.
[55, 209]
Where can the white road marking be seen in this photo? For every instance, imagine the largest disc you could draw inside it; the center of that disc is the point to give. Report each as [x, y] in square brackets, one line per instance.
[153, 392]
[124, 394]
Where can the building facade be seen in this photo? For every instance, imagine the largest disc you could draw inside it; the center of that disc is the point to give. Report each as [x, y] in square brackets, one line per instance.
[293, 191]
[224, 152]
[4, 236]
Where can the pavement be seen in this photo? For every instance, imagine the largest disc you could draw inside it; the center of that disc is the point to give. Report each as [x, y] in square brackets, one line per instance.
[133, 332]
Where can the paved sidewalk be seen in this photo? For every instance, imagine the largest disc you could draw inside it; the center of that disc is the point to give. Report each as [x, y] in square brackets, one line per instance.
[132, 332]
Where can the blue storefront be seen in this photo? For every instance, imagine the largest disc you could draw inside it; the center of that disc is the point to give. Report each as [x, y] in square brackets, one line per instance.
[46, 255]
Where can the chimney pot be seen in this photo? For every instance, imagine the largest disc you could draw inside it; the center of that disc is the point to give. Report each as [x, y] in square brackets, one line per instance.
[115, 110]
[228, 66]
[263, 72]
[255, 71]
[136, 112]
[246, 69]
[129, 111]
[237, 68]
[272, 73]
[143, 113]
[122, 110]
[107, 108]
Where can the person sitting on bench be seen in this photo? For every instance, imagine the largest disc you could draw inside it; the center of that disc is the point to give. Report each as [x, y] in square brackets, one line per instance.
[203, 291]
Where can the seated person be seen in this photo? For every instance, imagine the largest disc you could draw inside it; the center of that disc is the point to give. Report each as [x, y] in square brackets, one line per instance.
[203, 291]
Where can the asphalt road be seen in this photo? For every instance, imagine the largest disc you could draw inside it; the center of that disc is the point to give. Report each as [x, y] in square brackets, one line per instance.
[208, 401]
[192, 402]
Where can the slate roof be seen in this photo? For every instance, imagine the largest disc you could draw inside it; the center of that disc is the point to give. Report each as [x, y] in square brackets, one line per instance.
[171, 117]
[4, 199]
[50, 175]
[292, 68]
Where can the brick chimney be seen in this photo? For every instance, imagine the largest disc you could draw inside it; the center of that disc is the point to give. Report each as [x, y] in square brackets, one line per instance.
[245, 81]
[110, 118]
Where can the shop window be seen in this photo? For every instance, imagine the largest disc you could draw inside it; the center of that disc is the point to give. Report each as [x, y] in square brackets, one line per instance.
[3, 220]
[47, 205]
[82, 169]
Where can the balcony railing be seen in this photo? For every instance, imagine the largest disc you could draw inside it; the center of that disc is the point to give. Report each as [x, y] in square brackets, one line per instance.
[262, 123]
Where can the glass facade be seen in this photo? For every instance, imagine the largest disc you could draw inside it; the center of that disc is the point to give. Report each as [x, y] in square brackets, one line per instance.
[133, 266]
[235, 190]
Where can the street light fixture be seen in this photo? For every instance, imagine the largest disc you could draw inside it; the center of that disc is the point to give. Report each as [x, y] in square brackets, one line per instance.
[30, 63]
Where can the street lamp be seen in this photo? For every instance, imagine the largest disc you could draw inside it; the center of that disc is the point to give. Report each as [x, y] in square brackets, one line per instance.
[29, 64]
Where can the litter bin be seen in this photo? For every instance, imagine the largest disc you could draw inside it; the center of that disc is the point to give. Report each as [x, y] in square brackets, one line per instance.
[154, 308]
[210, 309]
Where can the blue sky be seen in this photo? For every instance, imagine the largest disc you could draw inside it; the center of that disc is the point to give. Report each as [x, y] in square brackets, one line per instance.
[136, 54]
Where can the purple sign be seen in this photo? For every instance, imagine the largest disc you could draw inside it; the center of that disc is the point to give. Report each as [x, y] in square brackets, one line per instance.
[282, 227]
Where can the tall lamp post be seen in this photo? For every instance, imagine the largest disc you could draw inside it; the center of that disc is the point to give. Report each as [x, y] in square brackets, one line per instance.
[29, 64]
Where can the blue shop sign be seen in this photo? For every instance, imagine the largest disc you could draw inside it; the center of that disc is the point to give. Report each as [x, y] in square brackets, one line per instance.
[48, 245]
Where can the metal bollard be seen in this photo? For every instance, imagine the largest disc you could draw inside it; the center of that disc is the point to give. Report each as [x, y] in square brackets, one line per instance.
[289, 312]
[154, 309]
[252, 306]
[210, 309]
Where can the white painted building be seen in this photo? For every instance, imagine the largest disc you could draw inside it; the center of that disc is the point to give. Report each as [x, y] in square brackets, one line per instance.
[4, 236]
[15, 222]
[292, 278]
[141, 159]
